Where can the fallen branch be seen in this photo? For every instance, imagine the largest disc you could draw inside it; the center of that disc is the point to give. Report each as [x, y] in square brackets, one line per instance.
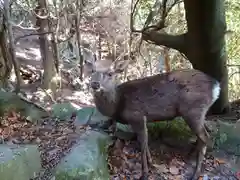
[23, 28]
[34, 104]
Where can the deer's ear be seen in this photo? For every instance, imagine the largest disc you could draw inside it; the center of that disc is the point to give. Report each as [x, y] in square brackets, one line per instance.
[120, 66]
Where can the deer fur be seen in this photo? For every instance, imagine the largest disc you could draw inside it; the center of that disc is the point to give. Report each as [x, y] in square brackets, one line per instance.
[188, 93]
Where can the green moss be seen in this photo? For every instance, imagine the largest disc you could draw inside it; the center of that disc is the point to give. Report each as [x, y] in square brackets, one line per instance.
[176, 128]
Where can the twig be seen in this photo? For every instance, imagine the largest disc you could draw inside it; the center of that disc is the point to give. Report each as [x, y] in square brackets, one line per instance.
[39, 16]
[52, 99]
[90, 118]
[233, 65]
[133, 8]
[237, 72]
[23, 28]
[32, 34]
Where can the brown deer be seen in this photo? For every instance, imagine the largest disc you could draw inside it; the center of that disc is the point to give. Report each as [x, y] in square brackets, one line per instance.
[188, 93]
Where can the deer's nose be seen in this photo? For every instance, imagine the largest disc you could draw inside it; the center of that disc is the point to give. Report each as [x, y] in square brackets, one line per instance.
[95, 85]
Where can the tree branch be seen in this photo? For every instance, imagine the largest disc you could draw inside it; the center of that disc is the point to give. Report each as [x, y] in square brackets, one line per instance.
[172, 41]
[133, 9]
[32, 34]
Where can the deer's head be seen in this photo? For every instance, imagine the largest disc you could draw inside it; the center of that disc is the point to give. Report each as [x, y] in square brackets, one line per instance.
[104, 74]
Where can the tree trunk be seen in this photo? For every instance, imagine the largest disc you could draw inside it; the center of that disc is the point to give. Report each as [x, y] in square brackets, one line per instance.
[49, 80]
[205, 43]
[5, 60]
[11, 45]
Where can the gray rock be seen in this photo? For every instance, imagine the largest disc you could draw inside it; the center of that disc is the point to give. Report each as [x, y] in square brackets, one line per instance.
[87, 160]
[63, 111]
[10, 101]
[19, 162]
[90, 116]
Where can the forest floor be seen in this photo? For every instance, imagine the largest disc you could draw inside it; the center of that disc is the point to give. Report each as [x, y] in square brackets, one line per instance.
[55, 138]
[171, 159]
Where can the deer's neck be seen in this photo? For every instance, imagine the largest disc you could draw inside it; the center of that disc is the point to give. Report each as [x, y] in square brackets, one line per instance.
[106, 101]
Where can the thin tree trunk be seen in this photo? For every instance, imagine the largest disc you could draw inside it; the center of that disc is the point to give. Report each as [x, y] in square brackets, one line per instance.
[77, 24]
[12, 46]
[47, 56]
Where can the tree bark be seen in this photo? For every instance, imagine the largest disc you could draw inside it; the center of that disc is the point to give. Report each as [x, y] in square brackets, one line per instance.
[5, 60]
[12, 46]
[49, 80]
[205, 44]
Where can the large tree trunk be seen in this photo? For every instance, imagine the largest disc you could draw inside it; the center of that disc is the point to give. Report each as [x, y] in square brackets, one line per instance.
[205, 43]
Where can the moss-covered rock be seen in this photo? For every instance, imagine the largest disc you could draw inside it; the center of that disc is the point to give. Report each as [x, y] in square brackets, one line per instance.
[19, 162]
[12, 102]
[87, 160]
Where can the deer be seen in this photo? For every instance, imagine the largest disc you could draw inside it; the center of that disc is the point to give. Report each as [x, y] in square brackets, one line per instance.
[186, 93]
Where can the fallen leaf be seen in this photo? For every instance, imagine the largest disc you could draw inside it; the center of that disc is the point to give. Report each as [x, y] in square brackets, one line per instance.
[162, 168]
[174, 170]
[238, 175]
[219, 161]
[178, 177]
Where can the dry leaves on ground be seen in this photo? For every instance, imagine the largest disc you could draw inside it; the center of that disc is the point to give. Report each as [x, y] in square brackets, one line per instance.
[125, 163]
[53, 138]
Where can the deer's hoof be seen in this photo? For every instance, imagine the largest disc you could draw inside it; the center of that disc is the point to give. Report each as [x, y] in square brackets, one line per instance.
[144, 177]
[195, 176]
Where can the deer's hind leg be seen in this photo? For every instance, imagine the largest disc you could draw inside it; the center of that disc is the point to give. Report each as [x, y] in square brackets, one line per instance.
[195, 120]
[195, 144]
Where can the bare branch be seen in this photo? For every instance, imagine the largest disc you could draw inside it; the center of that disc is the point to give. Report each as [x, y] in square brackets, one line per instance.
[165, 11]
[32, 34]
[23, 28]
[41, 16]
[176, 42]
[237, 72]
[233, 65]
[133, 9]
[156, 9]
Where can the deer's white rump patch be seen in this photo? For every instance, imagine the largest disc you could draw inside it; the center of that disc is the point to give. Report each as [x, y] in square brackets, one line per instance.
[216, 91]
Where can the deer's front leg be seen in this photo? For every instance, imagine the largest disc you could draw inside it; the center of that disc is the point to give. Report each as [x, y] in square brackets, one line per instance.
[113, 126]
[142, 134]
[144, 159]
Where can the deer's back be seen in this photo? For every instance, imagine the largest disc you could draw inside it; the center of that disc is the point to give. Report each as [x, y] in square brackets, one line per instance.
[160, 96]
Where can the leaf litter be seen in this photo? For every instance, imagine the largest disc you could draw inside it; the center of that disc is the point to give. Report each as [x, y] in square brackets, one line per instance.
[168, 163]
[54, 138]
